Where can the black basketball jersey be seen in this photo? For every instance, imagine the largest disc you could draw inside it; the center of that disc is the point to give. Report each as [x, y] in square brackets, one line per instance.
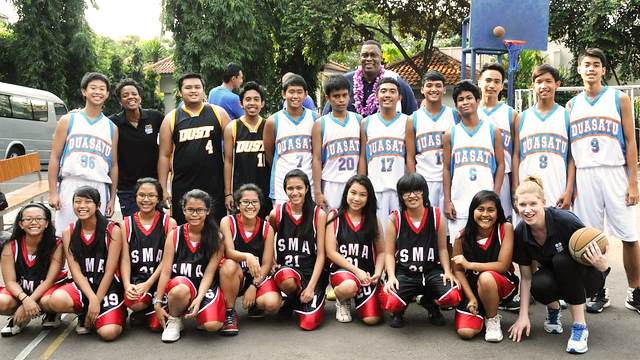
[145, 246]
[93, 266]
[249, 162]
[417, 247]
[29, 274]
[290, 250]
[197, 153]
[253, 244]
[189, 260]
[352, 244]
[488, 252]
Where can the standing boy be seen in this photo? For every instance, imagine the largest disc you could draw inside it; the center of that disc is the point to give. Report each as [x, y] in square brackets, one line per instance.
[84, 152]
[425, 129]
[472, 157]
[604, 150]
[287, 137]
[244, 158]
[336, 145]
[224, 95]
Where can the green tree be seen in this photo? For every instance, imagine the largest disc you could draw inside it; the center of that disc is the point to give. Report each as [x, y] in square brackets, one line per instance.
[7, 64]
[155, 49]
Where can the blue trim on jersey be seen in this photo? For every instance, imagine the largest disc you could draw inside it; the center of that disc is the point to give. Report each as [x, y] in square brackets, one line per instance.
[595, 100]
[65, 151]
[544, 118]
[322, 122]
[493, 136]
[434, 118]
[453, 136]
[617, 97]
[343, 124]
[275, 126]
[415, 121]
[111, 127]
[522, 116]
[314, 115]
[387, 124]
[366, 124]
[296, 122]
[489, 113]
[510, 120]
[471, 133]
[567, 122]
[91, 122]
[455, 116]
[573, 102]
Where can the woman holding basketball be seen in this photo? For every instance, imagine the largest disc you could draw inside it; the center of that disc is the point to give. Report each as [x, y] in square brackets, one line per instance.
[544, 235]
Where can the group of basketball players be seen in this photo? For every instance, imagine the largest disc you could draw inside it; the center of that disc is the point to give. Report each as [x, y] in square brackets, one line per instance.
[429, 197]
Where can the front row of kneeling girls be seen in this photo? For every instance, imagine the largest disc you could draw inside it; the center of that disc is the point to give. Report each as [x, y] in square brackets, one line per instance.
[191, 273]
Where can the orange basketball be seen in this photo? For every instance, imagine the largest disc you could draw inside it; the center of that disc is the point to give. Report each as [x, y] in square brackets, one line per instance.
[581, 239]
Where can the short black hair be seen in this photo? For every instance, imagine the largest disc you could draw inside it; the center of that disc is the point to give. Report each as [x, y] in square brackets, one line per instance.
[388, 80]
[412, 182]
[335, 83]
[493, 66]
[252, 85]
[433, 76]
[294, 80]
[545, 69]
[373, 42]
[90, 76]
[127, 82]
[593, 52]
[189, 75]
[232, 70]
[465, 85]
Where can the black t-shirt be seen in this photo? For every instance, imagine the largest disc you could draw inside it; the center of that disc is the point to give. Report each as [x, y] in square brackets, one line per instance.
[137, 147]
[561, 224]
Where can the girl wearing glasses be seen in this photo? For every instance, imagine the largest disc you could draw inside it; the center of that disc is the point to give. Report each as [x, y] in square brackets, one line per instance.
[192, 252]
[92, 247]
[300, 226]
[355, 247]
[416, 255]
[144, 235]
[31, 269]
[248, 242]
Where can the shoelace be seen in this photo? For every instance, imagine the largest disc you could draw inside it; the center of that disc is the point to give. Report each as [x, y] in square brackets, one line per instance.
[230, 318]
[576, 334]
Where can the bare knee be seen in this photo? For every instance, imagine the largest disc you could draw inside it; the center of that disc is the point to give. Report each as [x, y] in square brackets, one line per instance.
[8, 305]
[60, 302]
[230, 269]
[138, 306]
[212, 326]
[371, 320]
[45, 303]
[269, 302]
[346, 290]
[289, 286]
[179, 292]
[467, 333]
[110, 332]
[486, 281]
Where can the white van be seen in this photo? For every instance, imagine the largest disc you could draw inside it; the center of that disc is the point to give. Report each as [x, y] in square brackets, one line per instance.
[28, 119]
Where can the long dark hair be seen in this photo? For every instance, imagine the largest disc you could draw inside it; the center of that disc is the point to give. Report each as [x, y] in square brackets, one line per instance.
[370, 225]
[155, 183]
[412, 182]
[210, 241]
[47, 244]
[470, 232]
[305, 230]
[98, 245]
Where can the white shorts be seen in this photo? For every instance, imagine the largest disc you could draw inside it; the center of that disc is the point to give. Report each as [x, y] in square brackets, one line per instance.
[332, 192]
[387, 202]
[505, 197]
[67, 187]
[455, 226]
[436, 194]
[600, 194]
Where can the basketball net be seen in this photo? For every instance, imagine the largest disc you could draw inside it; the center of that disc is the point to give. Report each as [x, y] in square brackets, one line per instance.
[514, 47]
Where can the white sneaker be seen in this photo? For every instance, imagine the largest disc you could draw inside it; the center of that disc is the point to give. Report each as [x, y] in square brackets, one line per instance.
[80, 328]
[552, 323]
[493, 331]
[172, 330]
[12, 329]
[343, 311]
[578, 342]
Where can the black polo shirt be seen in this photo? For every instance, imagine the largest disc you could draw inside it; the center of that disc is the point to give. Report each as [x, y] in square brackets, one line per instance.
[561, 224]
[137, 147]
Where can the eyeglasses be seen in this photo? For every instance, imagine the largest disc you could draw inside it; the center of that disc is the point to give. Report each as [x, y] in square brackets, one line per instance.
[29, 220]
[249, 202]
[414, 192]
[198, 211]
[151, 197]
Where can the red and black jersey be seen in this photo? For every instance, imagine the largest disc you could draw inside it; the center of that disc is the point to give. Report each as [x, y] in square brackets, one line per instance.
[352, 244]
[145, 246]
[189, 260]
[484, 253]
[253, 244]
[93, 266]
[29, 274]
[290, 250]
[417, 247]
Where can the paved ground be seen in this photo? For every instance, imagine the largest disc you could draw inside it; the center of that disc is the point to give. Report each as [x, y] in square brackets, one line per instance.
[613, 335]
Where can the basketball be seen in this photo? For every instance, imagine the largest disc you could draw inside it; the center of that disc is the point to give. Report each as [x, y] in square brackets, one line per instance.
[581, 239]
[498, 31]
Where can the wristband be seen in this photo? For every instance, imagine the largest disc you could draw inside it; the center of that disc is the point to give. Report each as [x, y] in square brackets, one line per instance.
[225, 195]
[256, 284]
[25, 296]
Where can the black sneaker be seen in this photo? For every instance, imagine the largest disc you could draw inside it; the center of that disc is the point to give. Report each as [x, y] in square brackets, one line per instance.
[137, 318]
[286, 311]
[230, 327]
[512, 305]
[633, 300]
[598, 302]
[12, 329]
[397, 319]
[435, 316]
[50, 320]
[255, 312]
[80, 327]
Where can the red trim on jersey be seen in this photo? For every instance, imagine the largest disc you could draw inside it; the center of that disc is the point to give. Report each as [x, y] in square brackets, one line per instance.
[186, 238]
[278, 214]
[165, 224]
[288, 210]
[146, 232]
[316, 211]
[265, 230]
[436, 213]
[422, 221]
[232, 226]
[90, 240]
[350, 223]
[334, 213]
[127, 228]
[14, 250]
[25, 254]
[396, 216]
[243, 234]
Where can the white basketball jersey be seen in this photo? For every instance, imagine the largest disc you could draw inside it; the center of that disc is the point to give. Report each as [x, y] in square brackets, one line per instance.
[544, 145]
[88, 150]
[292, 149]
[473, 163]
[385, 150]
[596, 133]
[501, 116]
[429, 133]
[340, 147]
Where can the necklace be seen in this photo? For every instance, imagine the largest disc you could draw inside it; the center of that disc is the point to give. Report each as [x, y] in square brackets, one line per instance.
[371, 105]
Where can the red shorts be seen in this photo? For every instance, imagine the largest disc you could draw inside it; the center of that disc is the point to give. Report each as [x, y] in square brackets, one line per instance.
[4, 291]
[212, 307]
[505, 286]
[112, 309]
[366, 300]
[311, 313]
[466, 320]
[178, 280]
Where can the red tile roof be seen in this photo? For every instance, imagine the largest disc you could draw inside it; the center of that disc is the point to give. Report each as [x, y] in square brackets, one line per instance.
[164, 66]
[447, 65]
[332, 65]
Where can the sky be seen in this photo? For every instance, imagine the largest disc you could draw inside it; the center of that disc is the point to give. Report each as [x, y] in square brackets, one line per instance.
[116, 18]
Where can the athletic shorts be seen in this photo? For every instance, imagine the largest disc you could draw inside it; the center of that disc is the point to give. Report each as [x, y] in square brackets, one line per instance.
[428, 284]
[387, 202]
[149, 311]
[212, 307]
[455, 226]
[267, 285]
[311, 313]
[505, 197]
[112, 309]
[600, 193]
[436, 194]
[332, 192]
[4, 291]
[366, 300]
[66, 188]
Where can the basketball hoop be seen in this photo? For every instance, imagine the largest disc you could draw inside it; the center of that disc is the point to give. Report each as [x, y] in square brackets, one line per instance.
[514, 47]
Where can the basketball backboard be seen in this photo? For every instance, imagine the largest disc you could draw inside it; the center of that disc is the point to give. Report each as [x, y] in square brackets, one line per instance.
[526, 20]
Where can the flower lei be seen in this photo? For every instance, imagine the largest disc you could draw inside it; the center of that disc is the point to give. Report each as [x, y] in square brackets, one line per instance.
[358, 93]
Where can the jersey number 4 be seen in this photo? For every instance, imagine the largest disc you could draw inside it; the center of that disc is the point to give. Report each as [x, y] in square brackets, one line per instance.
[209, 147]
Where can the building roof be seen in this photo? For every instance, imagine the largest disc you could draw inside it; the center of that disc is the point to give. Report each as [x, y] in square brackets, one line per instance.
[332, 65]
[441, 62]
[164, 66]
